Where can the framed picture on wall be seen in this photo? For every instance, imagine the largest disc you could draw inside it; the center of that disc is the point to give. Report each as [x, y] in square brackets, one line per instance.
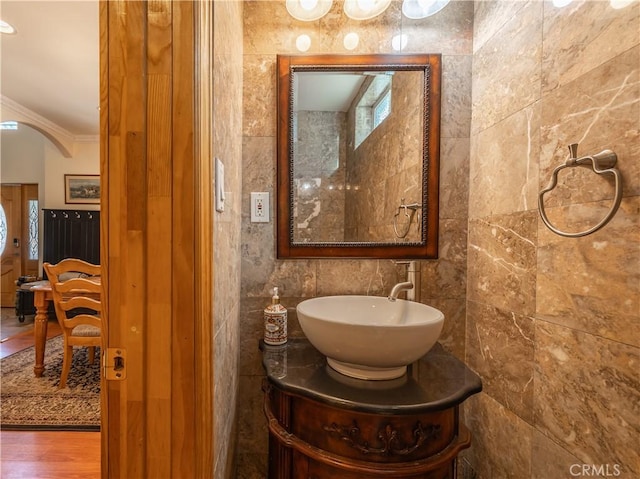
[82, 189]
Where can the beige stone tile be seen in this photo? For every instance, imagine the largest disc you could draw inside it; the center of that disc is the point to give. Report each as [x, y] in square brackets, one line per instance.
[452, 337]
[261, 271]
[500, 440]
[551, 460]
[263, 18]
[226, 141]
[251, 332]
[225, 386]
[592, 283]
[259, 106]
[490, 17]
[368, 277]
[500, 348]
[583, 36]
[227, 284]
[599, 110]
[506, 74]
[587, 396]
[448, 32]
[456, 96]
[447, 277]
[253, 435]
[454, 178]
[505, 177]
[502, 262]
[258, 171]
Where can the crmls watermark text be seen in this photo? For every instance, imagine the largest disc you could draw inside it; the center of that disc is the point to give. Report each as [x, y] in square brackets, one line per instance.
[595, 470]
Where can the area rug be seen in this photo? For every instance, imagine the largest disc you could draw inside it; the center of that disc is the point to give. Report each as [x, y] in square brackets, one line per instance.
[31, 403]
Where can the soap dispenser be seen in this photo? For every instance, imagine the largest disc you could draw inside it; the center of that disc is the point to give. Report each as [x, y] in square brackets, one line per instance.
[275, 321]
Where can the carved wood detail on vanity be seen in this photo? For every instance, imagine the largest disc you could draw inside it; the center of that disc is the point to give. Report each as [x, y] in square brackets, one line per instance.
[310, 419]
[321, 441]
[323, 425]
[387, 437]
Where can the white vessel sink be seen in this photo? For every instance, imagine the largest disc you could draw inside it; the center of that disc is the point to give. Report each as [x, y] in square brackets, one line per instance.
[370, 337]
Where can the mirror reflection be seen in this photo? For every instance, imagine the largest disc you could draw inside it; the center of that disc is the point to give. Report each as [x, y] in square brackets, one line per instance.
[358, 156]
[357, 144]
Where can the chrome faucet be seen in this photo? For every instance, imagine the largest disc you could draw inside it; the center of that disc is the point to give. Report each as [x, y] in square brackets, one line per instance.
[412, 285]
[398, 288]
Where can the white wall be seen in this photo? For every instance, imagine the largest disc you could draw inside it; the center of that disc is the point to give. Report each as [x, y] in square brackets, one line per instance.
[85, 161]
[22, 156]
[27, 156]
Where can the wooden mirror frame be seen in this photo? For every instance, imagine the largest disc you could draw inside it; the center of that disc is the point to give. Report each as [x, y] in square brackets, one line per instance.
[427, 248]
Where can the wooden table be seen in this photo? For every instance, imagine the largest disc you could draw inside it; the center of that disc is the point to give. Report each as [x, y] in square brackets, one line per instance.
[42, 296]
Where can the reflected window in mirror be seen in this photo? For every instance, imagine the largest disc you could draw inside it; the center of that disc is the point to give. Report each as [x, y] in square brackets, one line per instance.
[358, 156]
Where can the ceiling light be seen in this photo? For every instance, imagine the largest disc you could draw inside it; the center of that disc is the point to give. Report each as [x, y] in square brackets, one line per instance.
[365, 9]
[308, 10]
[561, 3]
[6, 28]
[416, 9]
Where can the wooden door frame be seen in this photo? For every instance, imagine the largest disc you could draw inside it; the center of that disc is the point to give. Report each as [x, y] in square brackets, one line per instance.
[156, 236]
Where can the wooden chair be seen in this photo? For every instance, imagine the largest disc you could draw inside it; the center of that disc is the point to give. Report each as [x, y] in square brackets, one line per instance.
[74, 287]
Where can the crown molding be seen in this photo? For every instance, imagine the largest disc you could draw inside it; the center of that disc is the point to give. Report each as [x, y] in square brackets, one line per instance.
[33, 118]
[62, 138]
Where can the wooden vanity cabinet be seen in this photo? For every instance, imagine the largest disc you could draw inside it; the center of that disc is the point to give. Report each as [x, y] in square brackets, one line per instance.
[312, 440]
[323, 425]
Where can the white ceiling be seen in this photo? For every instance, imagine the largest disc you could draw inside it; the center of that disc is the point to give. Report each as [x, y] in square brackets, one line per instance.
[51, 65]
[326, 91]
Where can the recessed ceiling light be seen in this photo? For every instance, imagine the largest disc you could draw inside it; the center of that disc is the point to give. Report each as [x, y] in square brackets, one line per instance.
[6, 28]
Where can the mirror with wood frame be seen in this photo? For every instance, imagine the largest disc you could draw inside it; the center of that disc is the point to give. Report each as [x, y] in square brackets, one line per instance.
[358, 156]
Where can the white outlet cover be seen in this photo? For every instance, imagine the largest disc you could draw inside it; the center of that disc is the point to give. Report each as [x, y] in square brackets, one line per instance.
[259, 207]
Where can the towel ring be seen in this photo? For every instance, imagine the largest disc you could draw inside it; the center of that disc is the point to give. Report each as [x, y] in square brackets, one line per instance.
[413, 207]
[602, 163]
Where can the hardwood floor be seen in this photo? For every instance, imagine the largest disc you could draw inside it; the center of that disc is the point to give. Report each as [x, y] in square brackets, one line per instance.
[23, 338]
[44, 454]
[50, 455]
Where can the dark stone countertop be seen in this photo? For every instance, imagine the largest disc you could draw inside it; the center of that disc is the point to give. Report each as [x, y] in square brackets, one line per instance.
[436, 382]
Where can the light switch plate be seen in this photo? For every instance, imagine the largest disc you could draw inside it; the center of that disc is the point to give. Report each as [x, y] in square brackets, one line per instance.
[259, 207]
[219, 185]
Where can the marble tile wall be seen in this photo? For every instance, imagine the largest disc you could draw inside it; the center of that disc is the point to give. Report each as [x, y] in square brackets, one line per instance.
[227, 145]
[268, 31]
[552, 322]
[393, 147]
[319, 176]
